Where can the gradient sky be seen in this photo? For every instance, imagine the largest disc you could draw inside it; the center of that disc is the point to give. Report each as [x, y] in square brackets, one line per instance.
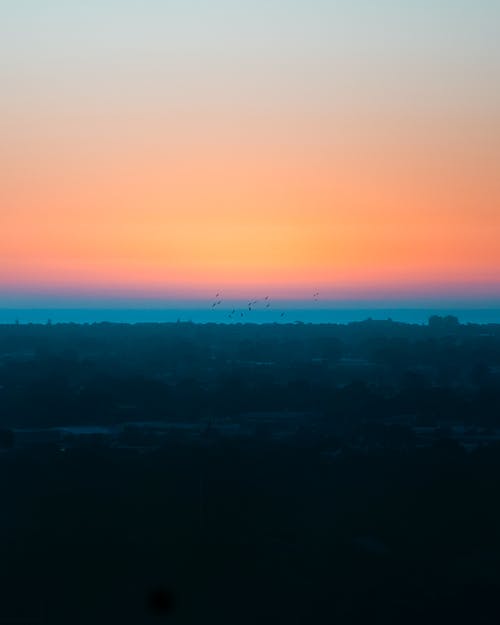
[177, 147]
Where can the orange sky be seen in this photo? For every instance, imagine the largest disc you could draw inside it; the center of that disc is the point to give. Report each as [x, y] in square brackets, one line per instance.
[248, 212]
[388, 187]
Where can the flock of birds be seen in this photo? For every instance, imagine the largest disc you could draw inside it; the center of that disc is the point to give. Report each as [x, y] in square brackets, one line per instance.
[265, 301]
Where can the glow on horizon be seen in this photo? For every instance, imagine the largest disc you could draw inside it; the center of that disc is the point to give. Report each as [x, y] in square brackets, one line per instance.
[176, 151]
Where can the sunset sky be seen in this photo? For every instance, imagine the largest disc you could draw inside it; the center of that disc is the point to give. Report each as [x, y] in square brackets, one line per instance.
[174, 148]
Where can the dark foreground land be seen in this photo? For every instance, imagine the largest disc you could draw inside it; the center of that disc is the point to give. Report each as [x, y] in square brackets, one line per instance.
[209, 474]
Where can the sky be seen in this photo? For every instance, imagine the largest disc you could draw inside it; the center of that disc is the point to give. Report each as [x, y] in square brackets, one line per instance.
[171, 149]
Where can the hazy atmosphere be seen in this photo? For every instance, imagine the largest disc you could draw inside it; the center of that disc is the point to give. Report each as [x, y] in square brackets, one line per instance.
[249, 312]
[173, 149]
